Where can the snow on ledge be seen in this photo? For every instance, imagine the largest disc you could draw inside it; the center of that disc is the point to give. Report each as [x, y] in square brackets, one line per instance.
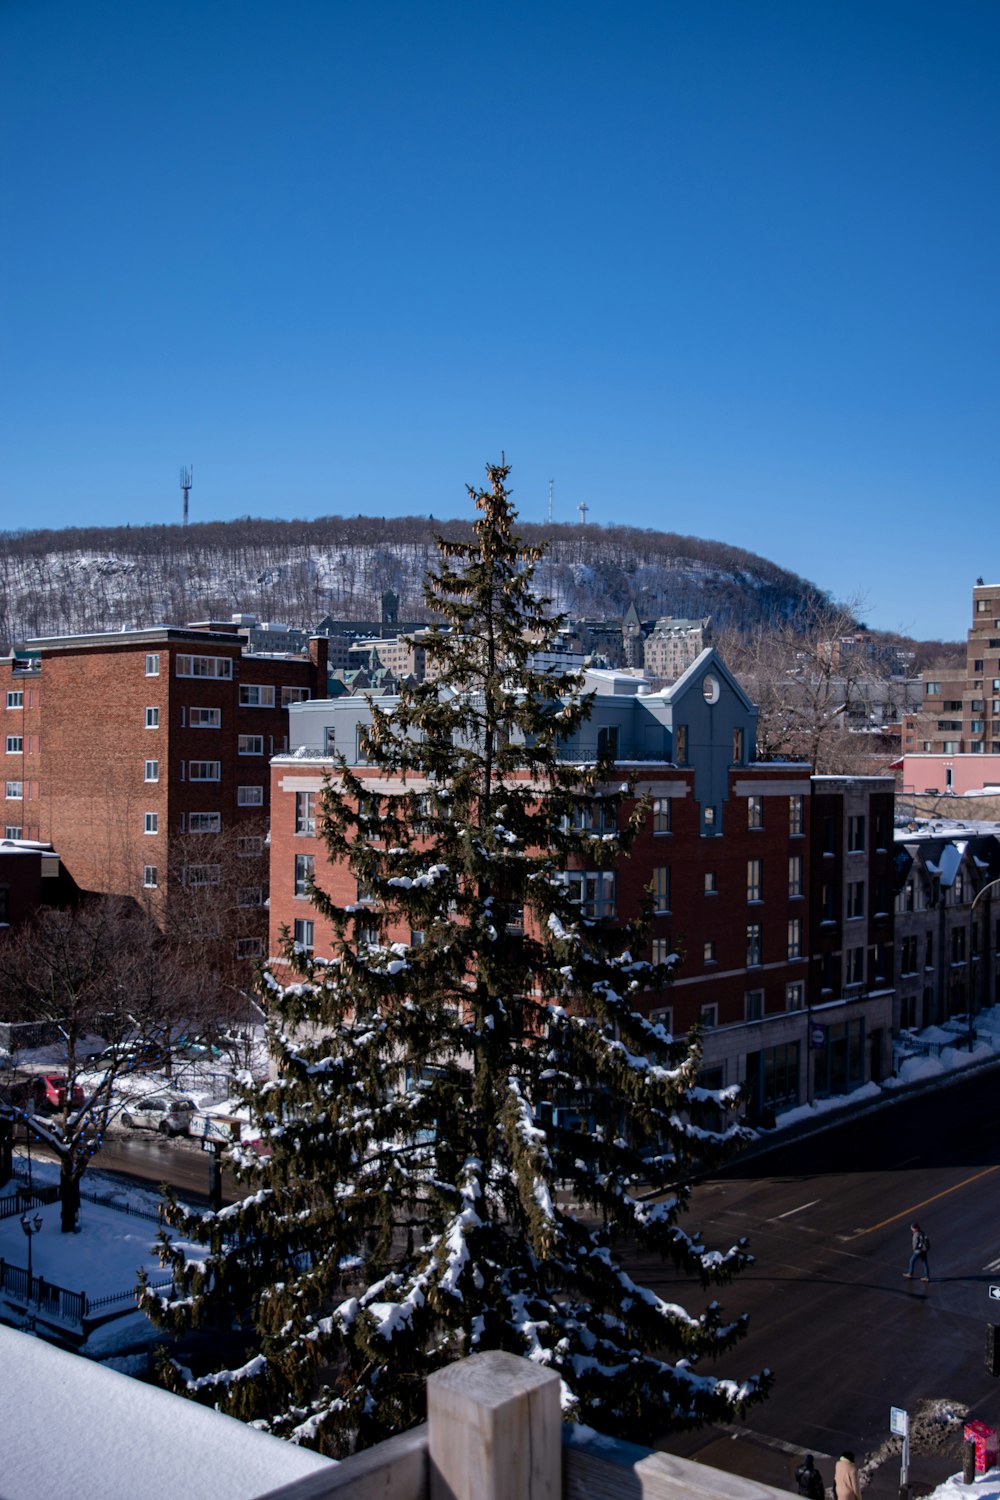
[72, 1427]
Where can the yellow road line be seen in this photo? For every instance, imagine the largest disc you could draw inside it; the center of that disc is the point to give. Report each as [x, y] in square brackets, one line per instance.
[923, 1203]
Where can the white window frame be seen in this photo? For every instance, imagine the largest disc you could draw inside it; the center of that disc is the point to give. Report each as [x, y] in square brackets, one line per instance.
[304, 933]
[14, 791]
[794, 937]
[249, 895]
[152, 716]
[294, 695]
[204, 718]
[212, 825]
[203, 875]
[151, 822]
[795, 995]
[250, 744]
[662, 818]
[794, 875]
[755, 879]
[152, 771]
[204, 770]
[152, 670]
[593, 891]
[661, 888]
[256, 695]
[204, 666]
[305, 812]
[15, 744]
[305, 869]
[14, 831]
[150, 877]
[15, 698]
[250, 846]
[249, 947]
[755, 945]
[796, 815]
[249, 796]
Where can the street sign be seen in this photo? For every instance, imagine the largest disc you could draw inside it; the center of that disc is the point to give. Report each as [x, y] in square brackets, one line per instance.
[995, 1293]
[817, 1036]
[899, 1421]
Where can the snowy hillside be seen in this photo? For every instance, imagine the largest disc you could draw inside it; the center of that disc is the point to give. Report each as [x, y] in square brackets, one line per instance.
[296, 572]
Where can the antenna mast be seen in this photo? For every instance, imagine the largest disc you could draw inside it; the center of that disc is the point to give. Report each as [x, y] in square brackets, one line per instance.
[187, 480]
[550, 502]
[583, 508]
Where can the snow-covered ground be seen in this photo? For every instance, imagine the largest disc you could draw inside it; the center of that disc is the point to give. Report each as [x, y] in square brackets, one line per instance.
[986, 1487]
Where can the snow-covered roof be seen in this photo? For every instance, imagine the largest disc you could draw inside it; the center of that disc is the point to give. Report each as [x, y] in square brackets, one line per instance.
[73, 1427]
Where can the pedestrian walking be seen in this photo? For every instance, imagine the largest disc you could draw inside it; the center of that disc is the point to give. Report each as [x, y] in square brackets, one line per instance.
[846, 1484]
[920, 1247]
[809, 1480]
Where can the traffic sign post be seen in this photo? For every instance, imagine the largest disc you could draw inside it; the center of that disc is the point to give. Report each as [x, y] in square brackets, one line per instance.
[899, 1426]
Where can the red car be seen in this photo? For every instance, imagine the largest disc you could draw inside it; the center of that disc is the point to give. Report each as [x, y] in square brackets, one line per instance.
[49, 1092]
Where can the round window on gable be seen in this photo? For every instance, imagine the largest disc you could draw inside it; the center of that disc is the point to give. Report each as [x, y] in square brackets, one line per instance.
[710, 688]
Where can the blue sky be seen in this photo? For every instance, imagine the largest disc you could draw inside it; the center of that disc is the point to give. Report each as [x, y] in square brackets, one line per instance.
[722, 267]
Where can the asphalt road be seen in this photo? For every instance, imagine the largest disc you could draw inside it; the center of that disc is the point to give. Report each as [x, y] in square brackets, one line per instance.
[149, 1160]
[828, 1221]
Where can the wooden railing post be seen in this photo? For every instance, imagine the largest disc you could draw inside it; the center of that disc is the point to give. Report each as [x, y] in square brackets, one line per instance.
[494, 1430]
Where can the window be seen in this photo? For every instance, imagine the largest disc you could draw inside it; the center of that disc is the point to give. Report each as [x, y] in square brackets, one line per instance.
[593, 891]
[249, 796]
[250, 744]
[661, 949]
[754, 1005]
[708, 951]
[794, 937]
[205, 666]
[15, 698]
[203, 874]
[607, 741]
[795, 995]
[249, 895]
[738, 747]
[329, 740]
[305, 812]
[708, 1017]
[305, 864]
[708, 817]
[661, 814]
[250, 847]
[416, 937]
[153, 664]
[15, 744]
[855, 899]
[755, 812]
[958, 945]
[256, 695]
[908, 955]
[205, 718]
[664, 1017]
[149, 878]
[293, 695]
[13, 831]
[855, 966]
[795, 875]
[929, 951]
[681, 745]
[711, 885]
[152, 717]
[661, 888]
[856, 834]
[151, 823]
[361, 744]
[753, 879]
[204, 770]
[152, 771]
[303, 932]
[204, 822]
[754, 945]
[932, 689]
[251, 947]
[14, 791]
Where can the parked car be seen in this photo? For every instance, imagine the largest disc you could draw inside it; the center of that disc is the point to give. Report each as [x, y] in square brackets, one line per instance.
[49, 1092]
[169, 1116]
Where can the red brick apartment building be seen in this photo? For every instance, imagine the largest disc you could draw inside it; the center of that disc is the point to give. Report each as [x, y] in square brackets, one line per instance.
[730, 849]
[136, 753]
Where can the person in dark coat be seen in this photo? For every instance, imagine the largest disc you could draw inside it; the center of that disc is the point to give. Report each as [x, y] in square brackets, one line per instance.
[919, 1245]
[808, 1479]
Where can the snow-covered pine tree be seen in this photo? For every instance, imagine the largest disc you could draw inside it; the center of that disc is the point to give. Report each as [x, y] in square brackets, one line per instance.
[462, 1122]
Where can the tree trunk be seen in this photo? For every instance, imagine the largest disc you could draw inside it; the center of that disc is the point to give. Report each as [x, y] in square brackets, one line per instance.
[69, 1198]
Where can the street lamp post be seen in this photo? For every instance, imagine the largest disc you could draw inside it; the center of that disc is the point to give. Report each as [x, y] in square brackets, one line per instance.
[972, 976]
[31, 1226]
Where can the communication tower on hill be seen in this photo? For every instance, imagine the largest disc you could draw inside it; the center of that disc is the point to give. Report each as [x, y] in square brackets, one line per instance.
[583, 508]
[187, 480]
[550, 502]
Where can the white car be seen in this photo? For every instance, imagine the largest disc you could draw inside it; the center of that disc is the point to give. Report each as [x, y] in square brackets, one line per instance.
[170, 1116]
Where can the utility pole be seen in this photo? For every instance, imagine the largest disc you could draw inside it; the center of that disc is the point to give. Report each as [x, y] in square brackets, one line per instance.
[187, 480]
